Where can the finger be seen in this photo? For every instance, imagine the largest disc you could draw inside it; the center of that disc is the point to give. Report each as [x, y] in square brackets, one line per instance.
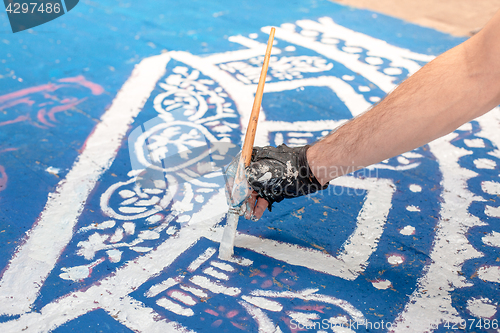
[251, 204]
[260, 208]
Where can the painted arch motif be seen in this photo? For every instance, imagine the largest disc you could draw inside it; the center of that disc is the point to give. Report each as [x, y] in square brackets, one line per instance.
[148, 258]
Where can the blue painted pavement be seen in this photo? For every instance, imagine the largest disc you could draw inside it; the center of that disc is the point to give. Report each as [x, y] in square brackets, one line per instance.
[110, 92]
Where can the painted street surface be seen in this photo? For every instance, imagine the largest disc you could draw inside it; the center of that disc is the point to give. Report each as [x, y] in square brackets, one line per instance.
[116, 119]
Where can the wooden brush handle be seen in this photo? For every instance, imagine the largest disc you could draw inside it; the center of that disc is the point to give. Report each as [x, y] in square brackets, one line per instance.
[246, 152]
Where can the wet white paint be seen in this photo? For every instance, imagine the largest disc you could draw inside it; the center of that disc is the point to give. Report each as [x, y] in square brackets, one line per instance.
[160, 287]
[382, 284]
[195, 291]
[214, 287]
[395, 259]
[412, 208]
[130, 276]
[415, 188]
[263, 303]
[485, 163]
[411, 154]
[492, 211]
[408, 230]
[403, 160]
[374, 60]
[491, 187]
[99, 226]
[393, 71]
[215, 273]
[310, 295]
[492, 239]
[223, 266]
[264, 322]
[303, 318]
[481, 307]
[114, 255]
[174, 307]
[201, 259]
[489, 273]
[474, 143]
[78, 273]
[182, 297]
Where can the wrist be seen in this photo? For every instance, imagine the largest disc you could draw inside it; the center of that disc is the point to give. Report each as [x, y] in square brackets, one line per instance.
[318, 171]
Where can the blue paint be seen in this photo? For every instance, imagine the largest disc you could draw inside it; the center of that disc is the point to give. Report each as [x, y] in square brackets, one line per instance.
[103, 42]
[96, 321]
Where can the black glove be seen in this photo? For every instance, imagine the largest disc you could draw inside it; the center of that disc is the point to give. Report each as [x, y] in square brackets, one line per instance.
[278, 173]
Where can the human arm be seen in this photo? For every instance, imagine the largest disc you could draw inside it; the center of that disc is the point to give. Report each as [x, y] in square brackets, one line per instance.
[456, 87]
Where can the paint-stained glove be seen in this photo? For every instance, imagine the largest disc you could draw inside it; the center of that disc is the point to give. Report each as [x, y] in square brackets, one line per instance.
[278, 173]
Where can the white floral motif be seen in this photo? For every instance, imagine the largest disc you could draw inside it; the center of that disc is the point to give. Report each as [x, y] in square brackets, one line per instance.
[186, 92]
[284, 68]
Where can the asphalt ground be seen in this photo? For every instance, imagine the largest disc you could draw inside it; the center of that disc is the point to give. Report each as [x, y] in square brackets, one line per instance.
[116, 119]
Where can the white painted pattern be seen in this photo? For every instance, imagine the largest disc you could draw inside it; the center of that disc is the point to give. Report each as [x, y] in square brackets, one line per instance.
[428, 309]
[37, 256]
[111, 292]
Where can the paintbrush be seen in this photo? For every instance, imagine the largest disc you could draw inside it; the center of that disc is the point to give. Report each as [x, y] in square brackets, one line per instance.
[239, 187]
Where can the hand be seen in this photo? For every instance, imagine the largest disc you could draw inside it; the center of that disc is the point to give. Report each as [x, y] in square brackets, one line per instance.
[277, 173]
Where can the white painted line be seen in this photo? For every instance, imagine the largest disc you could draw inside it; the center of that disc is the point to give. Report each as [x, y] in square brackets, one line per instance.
[201, 259]
[161, 287]
[174, 307]
[350, 61]
[427, 309]
[263, 303]
[310, 295]
[216, 274]
[355, 251]
[36, 257]
[355, 102]
[139, 318]
[126, 279]
[216, 288]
